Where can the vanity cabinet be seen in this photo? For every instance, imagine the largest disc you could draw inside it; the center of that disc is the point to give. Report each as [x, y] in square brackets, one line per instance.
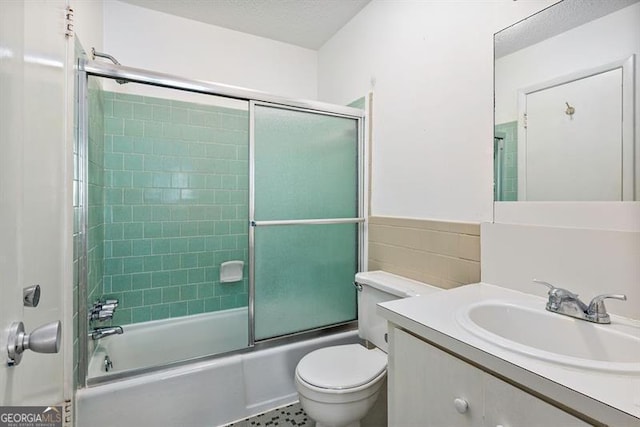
[429, 387]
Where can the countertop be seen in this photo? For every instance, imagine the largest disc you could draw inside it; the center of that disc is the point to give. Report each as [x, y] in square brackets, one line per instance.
[612, 398]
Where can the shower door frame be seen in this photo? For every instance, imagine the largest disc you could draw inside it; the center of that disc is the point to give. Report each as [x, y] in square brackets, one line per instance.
[87, 68]
[253, 224]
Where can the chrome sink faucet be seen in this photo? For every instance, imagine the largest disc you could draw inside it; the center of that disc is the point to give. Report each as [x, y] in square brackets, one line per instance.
[566, 302]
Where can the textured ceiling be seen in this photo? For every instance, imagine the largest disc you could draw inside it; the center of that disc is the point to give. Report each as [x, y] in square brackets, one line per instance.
[552, 21]
[305, 23]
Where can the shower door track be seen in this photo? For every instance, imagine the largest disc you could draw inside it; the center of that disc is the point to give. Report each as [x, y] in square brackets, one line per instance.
[137, 75]
[88, 68]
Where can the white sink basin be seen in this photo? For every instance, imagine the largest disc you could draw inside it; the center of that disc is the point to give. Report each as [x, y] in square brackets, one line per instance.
[537, 333]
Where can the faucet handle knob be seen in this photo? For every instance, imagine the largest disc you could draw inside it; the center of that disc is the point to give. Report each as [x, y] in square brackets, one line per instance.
[598, 311]
[602, 297]
[105, 315]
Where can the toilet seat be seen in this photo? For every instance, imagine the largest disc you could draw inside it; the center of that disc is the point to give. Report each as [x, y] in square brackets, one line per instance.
[342, 367]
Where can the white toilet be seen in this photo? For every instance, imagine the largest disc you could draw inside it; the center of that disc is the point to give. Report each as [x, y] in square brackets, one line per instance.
[338, 385]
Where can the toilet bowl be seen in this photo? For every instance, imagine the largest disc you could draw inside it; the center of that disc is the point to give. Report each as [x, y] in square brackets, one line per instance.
[338, 385]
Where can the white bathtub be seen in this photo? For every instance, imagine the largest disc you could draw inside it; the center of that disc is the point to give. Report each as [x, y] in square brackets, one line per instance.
[201, 394]
[160, 342]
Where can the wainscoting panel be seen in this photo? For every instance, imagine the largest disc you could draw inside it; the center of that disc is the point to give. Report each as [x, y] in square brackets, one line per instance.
[443, 254]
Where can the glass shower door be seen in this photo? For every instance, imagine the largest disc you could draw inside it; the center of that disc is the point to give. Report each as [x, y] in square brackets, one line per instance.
[305, 219]
[167, 176]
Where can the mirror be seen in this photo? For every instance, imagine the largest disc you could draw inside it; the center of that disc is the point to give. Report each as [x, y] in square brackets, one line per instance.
[565, 118]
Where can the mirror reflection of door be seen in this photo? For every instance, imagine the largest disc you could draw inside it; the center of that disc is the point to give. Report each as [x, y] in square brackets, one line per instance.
[573, 141]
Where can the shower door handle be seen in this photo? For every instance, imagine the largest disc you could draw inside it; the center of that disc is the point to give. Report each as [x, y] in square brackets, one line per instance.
[322, 221]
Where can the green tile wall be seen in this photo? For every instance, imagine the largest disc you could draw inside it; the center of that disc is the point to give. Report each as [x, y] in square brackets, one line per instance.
[175, 206]
[509, 131]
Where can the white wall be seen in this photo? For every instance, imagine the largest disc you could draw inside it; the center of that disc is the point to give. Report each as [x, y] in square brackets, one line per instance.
[586, 261]
[430, 65]
[143, 38]
[88, 23]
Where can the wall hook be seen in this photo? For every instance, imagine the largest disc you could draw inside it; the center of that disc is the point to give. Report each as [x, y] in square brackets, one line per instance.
[570, 110]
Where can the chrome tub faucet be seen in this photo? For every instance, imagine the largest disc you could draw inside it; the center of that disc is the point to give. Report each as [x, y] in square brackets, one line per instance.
[105, 331]
[566, 302]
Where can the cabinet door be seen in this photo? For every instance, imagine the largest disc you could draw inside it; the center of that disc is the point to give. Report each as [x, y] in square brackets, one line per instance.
[508, 406]
[424, 383]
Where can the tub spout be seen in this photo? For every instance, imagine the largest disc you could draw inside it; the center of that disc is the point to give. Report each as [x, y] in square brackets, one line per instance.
[101, 332]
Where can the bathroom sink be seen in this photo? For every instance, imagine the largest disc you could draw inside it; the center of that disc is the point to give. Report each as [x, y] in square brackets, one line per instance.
[535, 332]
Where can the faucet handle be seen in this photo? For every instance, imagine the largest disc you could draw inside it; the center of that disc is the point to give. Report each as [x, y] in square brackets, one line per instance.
[555, 291]
[105, 315]
[547, 284]
[598, 311]
[101, 315]
[558, 295]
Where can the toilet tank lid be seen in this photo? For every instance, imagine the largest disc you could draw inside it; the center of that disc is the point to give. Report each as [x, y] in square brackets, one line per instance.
[394, 284]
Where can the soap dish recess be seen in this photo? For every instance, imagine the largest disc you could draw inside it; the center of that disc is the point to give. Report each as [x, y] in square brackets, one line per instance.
[231, 271]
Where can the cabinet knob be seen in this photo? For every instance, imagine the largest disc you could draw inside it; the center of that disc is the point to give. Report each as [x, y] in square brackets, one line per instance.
[461, 405]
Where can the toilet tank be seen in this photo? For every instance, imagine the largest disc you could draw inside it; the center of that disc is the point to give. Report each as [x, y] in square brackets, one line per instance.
[377, 287]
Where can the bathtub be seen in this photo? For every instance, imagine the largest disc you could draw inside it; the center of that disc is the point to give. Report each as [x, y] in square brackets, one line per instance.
[199, 394]
[181, 339]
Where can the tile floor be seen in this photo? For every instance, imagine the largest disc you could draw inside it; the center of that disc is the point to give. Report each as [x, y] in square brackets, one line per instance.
[290, 415]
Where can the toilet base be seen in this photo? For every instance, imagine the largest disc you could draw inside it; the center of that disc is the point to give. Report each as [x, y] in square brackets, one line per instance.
[340, 407]
[339, 414]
